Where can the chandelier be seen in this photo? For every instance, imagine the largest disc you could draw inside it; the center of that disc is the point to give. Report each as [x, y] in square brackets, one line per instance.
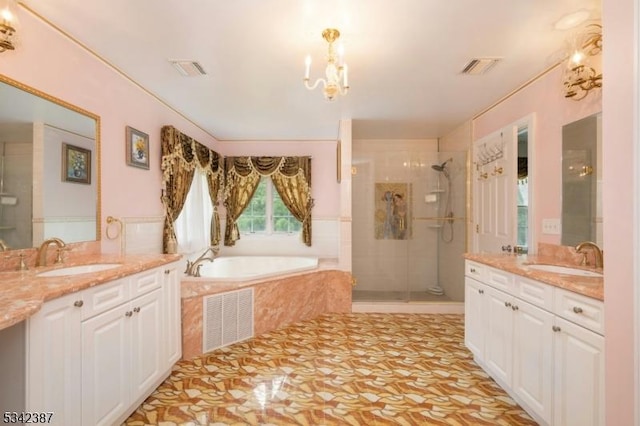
[580, 75]
[8, 23]
[336, 81]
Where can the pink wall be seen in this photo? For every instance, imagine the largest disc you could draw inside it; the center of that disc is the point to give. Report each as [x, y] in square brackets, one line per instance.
[49, 62]
[552, 110]
[620, 168]
[325, 189]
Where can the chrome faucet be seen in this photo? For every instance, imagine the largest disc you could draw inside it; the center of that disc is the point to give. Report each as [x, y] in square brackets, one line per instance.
[3, 246]
[193, 268]
[597, 253]
[41, 259]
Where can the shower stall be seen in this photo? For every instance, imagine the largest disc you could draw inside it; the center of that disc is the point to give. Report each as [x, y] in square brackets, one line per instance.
[409, 208]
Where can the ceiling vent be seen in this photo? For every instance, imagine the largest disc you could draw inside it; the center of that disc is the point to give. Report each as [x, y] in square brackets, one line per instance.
[479, 66]
[188, 68]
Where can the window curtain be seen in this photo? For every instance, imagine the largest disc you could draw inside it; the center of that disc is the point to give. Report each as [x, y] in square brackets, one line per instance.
[181, 155]
[290, 175]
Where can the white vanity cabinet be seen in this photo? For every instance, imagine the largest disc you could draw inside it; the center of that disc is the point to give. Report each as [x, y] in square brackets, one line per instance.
[54, 354]
[579, 361]
[510, 338]
[529, 337]
[124, 345]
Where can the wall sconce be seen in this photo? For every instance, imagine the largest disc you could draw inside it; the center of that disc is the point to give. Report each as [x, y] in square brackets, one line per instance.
[336, 81]
[8, 25]
[580, 76]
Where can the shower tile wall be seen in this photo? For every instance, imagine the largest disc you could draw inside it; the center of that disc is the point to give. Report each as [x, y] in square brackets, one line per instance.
[387, 264]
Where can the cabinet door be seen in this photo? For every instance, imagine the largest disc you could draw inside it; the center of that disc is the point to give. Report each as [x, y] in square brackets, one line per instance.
[54, 360]
[579, 376]
[475, 321]
[532, 358]
[147, 358]
[499, 336]
[106, 350]
[172, 315]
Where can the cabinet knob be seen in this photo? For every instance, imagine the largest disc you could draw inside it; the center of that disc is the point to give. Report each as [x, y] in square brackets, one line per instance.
[472, 270]
[78, 303]
[128, 314]
[507, 304]
[515, 307]
[167, 271]
[480, 291]
[577, 309]
[556, 328]
[136, 309]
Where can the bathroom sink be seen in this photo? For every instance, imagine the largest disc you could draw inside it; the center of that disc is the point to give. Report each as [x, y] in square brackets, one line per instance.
[567, 270]
[80, 269]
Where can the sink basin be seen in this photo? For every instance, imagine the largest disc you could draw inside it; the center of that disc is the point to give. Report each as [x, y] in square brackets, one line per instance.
[567, 270]
[80, 269]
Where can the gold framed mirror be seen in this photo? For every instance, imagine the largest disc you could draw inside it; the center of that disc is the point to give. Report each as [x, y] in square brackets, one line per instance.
[38, 199]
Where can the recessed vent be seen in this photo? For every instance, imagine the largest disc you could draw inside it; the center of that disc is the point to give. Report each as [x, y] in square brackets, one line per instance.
[188, 68]
[479, 66]
[227, 318]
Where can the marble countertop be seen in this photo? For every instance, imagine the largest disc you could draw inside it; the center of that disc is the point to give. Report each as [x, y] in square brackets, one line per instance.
[518, 264]
[22, 293]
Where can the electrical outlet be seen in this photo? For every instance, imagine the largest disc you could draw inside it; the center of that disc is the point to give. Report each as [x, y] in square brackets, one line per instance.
[551, 226]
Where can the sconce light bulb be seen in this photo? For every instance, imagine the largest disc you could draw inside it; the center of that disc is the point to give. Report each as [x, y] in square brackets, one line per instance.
[577, 57]
[6, 14]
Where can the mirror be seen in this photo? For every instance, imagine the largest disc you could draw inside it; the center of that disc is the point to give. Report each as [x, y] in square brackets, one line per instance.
[49, 168]
[582, 181]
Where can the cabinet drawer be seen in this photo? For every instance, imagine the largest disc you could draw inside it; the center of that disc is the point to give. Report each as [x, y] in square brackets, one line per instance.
[475, 270]
[103, 297]
[579, 309]
[535, 292]
[145, 282]
[501, 280]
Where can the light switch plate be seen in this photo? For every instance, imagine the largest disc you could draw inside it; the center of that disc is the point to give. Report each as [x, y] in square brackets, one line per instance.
[551, 226]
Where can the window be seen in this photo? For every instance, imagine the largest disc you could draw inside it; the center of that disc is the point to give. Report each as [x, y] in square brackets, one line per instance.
[267, 214]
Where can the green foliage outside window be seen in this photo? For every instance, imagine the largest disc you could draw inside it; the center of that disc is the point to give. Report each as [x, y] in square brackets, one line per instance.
[254, 217]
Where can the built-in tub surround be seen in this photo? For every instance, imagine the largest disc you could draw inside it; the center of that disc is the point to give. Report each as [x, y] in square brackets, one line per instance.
[23, 292]
[551, 255]
[278, 301]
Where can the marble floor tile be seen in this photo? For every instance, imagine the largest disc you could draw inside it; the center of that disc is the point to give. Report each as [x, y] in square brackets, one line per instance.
[339, 369]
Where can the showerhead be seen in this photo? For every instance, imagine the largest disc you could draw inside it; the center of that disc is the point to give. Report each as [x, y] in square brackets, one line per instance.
[441, 167]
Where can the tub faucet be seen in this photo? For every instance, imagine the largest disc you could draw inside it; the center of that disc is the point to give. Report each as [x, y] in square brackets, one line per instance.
[3, 246]
[597, 253]
[41, 259]
[193, 268]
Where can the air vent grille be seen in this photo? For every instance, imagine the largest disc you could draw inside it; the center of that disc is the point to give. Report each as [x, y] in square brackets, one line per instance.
[188, 68]
[228, 318]
[479, 66]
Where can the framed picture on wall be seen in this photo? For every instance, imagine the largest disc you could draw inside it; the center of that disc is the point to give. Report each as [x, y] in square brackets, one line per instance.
[137, 148]
[76, 164]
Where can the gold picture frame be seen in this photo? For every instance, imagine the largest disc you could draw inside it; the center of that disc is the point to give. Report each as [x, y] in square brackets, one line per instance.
[137, 145]
[76, 164]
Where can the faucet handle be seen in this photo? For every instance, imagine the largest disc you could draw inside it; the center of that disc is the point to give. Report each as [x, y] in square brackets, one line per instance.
[60, 255]
[22, 266]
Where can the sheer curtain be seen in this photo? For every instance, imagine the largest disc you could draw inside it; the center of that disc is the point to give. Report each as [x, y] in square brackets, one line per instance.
[193, 225]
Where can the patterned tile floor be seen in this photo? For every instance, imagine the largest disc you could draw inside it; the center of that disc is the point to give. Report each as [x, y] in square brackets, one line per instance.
[340, 369]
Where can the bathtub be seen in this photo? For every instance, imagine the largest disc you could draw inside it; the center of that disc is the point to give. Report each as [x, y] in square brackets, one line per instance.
[246, 268]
